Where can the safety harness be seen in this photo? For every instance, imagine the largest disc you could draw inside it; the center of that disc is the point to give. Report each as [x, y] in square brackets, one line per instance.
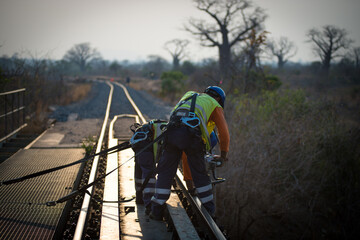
[185, 116]
[177, 118]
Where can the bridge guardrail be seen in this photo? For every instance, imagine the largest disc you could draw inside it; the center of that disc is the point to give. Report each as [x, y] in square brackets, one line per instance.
[12, 113]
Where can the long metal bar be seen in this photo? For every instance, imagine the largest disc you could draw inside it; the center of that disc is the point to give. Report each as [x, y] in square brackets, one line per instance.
[23, 103]
[14, 111]
[11, 115]
[110, 218]
[13, 133]
[5, 129]
[110, 227]
[14, 91]
[132, 102]
[85, 206]
[204, 214]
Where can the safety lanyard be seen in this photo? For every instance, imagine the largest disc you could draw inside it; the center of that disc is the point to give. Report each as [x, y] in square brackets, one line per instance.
[193, 102]
[114, 149]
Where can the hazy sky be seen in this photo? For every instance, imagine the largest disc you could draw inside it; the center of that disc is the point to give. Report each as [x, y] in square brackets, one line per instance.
[134, 29]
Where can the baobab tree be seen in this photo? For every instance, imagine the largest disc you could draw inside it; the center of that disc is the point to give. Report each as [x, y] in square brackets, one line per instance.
[81, 54]
[177, 49]
[283, 49]
[231, 23]
[328, 42]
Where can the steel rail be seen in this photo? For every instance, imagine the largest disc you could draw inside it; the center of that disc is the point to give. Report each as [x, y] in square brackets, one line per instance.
[200, 209]
[132, 102]
[86, 202]
[110, 218]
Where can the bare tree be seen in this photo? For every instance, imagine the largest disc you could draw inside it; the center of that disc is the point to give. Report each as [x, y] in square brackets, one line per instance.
[327, 43]
[155, 66]
[81, 54]
[176, 48]
[283, 49]
[232, 23]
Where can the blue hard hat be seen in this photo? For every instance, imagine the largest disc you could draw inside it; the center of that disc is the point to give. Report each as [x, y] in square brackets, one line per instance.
[217, 92]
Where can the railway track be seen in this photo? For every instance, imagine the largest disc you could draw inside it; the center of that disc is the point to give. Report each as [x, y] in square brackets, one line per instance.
[108, 209]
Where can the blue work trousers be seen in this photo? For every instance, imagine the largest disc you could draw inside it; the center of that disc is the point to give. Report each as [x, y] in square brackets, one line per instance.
[177, 140]
[144, 166]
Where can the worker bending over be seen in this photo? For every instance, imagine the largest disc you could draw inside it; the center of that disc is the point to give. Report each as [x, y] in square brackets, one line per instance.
[191, 121]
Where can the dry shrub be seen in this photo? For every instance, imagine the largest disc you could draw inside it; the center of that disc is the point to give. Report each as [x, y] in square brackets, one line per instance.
[294, 170]
[152, 86]
[75, 92]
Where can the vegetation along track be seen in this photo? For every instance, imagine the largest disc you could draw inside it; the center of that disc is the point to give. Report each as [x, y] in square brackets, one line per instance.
[83, 218]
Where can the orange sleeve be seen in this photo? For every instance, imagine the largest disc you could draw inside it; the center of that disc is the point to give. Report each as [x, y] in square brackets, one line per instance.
[185, 166]
[218, 117]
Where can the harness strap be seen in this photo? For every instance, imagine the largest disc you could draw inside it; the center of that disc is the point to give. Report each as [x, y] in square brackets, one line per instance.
[153, 171]
[193, 102]
[84, 188]
[114, 149]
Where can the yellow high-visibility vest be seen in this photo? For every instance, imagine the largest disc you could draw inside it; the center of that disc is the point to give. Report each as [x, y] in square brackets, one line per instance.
[157, 132]
[204, 107]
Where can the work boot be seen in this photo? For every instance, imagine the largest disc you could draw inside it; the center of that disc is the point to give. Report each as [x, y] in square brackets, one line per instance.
[189, 185]
[157, 211]
[156, 218]
[148, 209]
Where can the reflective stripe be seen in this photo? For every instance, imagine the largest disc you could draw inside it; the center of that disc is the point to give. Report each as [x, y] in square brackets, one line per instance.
[158, 201]
[149, 190]
[207, 199]
[204, 188]
[162, 191]
[152, 180]
[139, 180]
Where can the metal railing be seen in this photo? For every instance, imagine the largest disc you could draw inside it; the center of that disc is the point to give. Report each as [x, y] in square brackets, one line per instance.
[12, 113]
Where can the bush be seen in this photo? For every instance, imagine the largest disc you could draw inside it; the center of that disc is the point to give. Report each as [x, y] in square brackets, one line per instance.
[294, 170]
[172, 83]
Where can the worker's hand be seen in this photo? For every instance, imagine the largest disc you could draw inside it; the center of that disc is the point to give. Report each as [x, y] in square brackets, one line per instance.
[221, 159]
[224, 156]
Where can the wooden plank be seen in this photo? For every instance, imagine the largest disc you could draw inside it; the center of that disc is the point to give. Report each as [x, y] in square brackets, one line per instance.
[183, 225]
[110, 227]
[134, 224]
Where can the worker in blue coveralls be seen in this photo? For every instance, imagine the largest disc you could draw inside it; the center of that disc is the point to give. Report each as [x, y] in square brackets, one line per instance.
[145, 162]
[191, 121]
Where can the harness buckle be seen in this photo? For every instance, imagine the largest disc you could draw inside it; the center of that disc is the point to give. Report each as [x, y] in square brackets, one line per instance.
[138, 137]
[191, 114]
[192, 121]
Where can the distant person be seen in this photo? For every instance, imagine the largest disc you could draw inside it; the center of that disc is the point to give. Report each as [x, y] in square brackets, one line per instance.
[128, 80]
